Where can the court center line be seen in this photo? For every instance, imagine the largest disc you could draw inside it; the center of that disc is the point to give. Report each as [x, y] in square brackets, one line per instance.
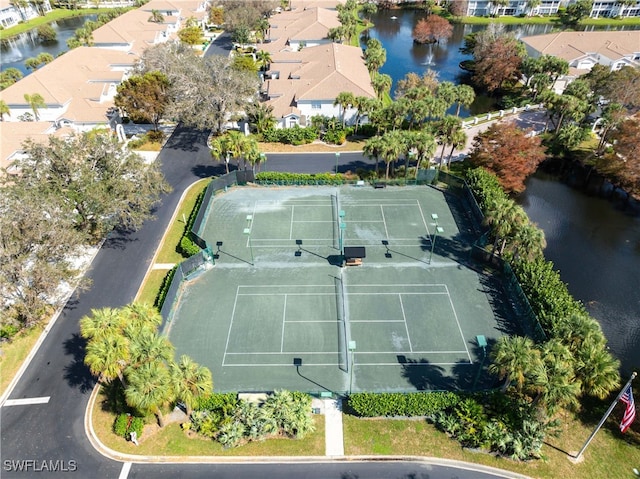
[287, 286]
[384, 221]
[291, 223]
[27, 401]
[407, 352]
[271, 353]
[376, 321]
[284, 319]
[459, 327]
[423, 220]
[233, 313]
[404, 318]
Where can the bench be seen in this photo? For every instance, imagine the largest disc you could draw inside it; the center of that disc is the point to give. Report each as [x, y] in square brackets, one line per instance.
[354, 262]
[360, 183]
[379, 185]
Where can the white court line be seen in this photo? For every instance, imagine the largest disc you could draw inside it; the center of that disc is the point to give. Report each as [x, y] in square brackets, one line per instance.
[288, 365]
[287, 286]
[233, 313]
[313, 321]
[407, 352]
[284, 320]
[291, 223]
[382, 294]
[404, 318]
[27, 401]
[376, 320]
[385, 223]
[269, 353]
[423, 220]
[313, 221]
[410, 364]
[459, 327]
[124, 472]
[285, 294]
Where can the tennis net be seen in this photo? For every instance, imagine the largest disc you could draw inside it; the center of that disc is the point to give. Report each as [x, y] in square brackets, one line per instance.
[343, 356]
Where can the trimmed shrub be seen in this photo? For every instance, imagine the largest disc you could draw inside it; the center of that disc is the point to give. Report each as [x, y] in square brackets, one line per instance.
[271, 177]
[164, 288]
[125, 424]
[400, 404]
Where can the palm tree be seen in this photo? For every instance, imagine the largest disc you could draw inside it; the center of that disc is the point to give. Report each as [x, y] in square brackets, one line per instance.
[264, 59]
[156, 17]
[528, 242]
[464, 96]
[392, 146]
[190, 380]
[345, 99]
[149, 347]
[598, 370]
[150, 389]
[514, 358]
[457, 140]
[504, 217]
[423, 144]
[4, 110]
[260, 115]
[381, 84]
[35, 102]
[107, 357]
[104, 322]
[373, 149]
[446, 129]
[374, 56]
[142, 316]
[579, 329]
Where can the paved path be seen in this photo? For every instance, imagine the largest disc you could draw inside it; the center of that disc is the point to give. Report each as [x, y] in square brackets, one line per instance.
[333, 434]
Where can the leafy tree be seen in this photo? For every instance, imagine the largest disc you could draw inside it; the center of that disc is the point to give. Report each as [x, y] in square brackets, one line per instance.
[46, 33]
[514, 358]
[100, 185]
[35, 102]
[509, 152]
[458, 8]
[190, 35]
[244, 64]
[216, 16]
[37, 244]
[497, 60]
[576, 12]
[144, 98]
[369, 9]
[4, 110]
[432, 29]
[9, 76]
[428, 82]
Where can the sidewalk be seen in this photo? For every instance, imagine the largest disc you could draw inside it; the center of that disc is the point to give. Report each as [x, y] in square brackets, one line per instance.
[333, 435]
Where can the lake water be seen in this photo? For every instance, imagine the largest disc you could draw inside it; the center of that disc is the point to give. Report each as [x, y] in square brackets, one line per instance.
[15, 50]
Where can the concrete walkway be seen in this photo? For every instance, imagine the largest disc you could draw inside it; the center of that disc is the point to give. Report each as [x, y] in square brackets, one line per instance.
[333, 435]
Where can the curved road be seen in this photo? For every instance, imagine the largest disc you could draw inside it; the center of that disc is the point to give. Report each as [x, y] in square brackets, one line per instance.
[42, 424]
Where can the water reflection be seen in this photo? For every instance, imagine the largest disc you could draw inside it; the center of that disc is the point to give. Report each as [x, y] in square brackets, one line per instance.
[597, 251]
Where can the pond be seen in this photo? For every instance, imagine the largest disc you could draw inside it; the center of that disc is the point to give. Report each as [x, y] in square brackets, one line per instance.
[15, 50]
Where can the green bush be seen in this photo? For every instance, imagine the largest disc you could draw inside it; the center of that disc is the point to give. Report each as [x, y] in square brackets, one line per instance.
[335, 136]
[271, 177]
[8, 331]
[155, 136]
[125, 424]
[226, 402]
[292, 136]
[400, 404]
[187, 247]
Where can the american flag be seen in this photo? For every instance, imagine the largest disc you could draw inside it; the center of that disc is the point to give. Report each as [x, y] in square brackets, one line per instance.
[630, 411]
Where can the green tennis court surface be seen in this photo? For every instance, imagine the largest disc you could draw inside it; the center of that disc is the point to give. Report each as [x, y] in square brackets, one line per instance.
[278, 310]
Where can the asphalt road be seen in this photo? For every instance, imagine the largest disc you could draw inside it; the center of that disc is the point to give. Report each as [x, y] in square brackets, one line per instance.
[52, 434]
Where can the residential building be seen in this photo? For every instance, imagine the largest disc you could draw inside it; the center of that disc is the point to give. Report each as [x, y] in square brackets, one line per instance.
[13, 13]
[600, 8]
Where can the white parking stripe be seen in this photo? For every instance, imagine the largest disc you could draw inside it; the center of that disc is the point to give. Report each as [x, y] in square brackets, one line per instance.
[27, 401]
[124, 473]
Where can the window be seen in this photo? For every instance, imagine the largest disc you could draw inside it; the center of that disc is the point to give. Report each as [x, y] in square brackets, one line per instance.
[316, 106]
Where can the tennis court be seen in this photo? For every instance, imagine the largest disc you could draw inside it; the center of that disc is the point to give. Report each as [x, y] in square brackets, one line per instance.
[280, 310]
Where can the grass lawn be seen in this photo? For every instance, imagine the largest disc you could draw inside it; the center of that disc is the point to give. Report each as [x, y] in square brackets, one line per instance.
[607, 456]
[352, 144]
[173, 441]
[15, 352]
[55, 14]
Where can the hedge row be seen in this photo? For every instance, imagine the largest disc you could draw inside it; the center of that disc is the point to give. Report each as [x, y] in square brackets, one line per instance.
[164, 288]
[300, 178]
[187, 247]
[292, 136]
[400, 404]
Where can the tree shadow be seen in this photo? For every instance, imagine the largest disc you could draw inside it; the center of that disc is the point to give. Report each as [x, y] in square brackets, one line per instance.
[208, 171]
[76, 373]
[425, 376]
[119, 238]
[187, 139]
[476, 376]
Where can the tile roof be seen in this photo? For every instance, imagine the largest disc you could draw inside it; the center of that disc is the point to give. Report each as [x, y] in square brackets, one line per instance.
[574, 45]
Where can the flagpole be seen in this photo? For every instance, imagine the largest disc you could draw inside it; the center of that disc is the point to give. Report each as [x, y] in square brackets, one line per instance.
[606, 414]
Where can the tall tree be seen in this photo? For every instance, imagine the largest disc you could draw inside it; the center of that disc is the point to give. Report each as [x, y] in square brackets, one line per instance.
[149, 389]
[345, 99]
[464, 96]
[374, 56]
[432, 29]
[505, 218]
[497, 60]
[575, 12]
[260, 116]
[509, 152]
[190, 380]
[101, 185]
[144, 98]
[381, 83]
[156, 16]
[392, 145]
[35, 102]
